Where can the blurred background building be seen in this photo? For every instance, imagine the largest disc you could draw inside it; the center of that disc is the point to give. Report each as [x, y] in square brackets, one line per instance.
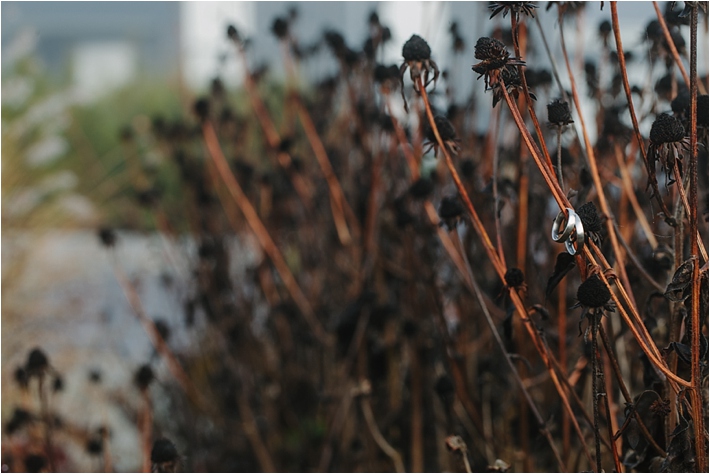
[102, 45]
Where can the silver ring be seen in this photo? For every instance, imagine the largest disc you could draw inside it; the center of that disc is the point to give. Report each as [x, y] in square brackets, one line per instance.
[577, 237]
[569, 226]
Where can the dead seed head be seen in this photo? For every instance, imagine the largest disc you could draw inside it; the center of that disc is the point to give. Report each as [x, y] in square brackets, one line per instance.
[416, 49]
[666, 129]
[558, 113]
[593, 293]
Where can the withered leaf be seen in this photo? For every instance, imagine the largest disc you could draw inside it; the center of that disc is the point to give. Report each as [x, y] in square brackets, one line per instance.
[681, 280]
[563, 264]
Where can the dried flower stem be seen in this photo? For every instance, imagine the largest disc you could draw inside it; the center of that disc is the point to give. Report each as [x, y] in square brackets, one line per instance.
[674, 50]
[340, 206]
[695, 326]
[146, 427]
[625, 392]
[634, 121]
[262, 234]
[493, 257]
[594, 169]
[387, 448]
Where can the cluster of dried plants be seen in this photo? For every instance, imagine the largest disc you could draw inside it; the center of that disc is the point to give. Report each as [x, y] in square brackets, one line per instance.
[418, 316]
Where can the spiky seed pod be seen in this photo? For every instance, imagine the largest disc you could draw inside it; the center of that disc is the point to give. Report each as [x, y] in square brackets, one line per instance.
[605, 28]
[445, 128]
[416, 49]
[593, 293]
[514, 277]
[558, 113]
[492, 50]
[666, 129]
[280, 28]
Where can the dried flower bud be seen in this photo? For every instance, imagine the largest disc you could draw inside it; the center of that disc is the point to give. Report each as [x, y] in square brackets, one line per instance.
[37, 362]
[280, 28]
[416, 49]
[232, 33]
[593, 293]
[590, 217]
[445, 128]
[450, 208]
[143, 377]
[514, 277]
[666, 129]
[107, 236]
[490, 49]
[164, 456]
[202, 109]
[421, 188]
[558, 113]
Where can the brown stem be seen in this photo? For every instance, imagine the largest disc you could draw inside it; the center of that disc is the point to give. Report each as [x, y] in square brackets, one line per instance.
[262, 234]
[492, 255]
[377, 435]
[696, 328]
[146, 426]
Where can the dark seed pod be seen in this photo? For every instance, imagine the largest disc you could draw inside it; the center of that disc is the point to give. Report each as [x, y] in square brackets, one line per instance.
[450, 208]
[107, 236]
[95, 376]
[58, 384]
[143, 377]
[593, 293]
[490, 49]
[421, 188]
[21, 378]
[20, 418]
[590, 217]
[605, 28]
[202, 109]
[558, 113]
[514, 277]
[416, 49]
[163, 329]
[280, 28]
[232, 33]
[666, 129]
[467, 168]
[445, 128]
[384, 73]
[95, 446]
[444, 388]
[37, 362]
[164, 456]
[681, 103]
[35, 463]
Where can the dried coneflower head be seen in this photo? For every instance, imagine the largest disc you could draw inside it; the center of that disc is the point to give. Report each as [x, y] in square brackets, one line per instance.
[202, 108]
[591, 221]
[493, 56]
[417, 57]
[593, 293]
[513, 84]
[450, 212]
[446, 132]
[514, 278]
[558, 113]
[515, 8]
[233, 34]
[666, 129]
[164, 456]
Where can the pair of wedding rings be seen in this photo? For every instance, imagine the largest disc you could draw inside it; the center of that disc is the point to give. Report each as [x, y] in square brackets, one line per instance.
[568, 228]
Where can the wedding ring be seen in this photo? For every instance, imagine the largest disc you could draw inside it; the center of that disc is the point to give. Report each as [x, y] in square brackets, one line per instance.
[577, 237]
[571, 218]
